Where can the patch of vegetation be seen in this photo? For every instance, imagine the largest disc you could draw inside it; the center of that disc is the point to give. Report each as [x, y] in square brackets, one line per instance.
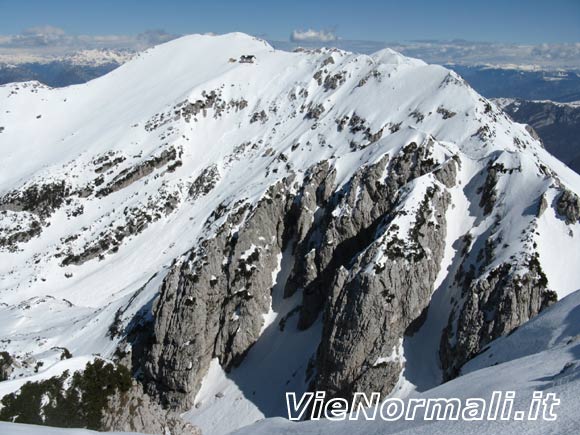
[534, 265]
[65, 354]
[488, 191]
[65, 401]
[549, 297]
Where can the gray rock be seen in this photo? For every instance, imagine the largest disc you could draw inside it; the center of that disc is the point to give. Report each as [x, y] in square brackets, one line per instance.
[542, 206]
[134, 411]
[132, 174]
[368, 197]
[533, 133]
[6, 366]
[41, 199]
[494, 305]
[212, 300]
[568, 206]
[368, 312]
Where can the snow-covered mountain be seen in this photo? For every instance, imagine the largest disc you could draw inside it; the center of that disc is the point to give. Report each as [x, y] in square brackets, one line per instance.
[232, 222]
[88, 57]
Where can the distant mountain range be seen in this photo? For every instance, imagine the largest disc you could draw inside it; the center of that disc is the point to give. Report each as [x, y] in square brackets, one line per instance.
[557, 124]
[523, 83]
[79, 67]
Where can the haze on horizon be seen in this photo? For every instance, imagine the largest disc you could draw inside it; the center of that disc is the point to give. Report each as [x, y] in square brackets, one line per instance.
[519, 32]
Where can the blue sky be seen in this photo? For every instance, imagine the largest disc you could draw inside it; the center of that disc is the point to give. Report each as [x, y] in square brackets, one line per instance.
[519, 21]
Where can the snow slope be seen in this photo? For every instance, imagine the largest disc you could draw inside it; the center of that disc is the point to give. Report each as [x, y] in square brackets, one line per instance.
[146, 154]
[29, 429]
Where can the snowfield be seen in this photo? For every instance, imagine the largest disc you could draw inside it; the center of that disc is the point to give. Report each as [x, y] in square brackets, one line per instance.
[105, 186]
[29, 429]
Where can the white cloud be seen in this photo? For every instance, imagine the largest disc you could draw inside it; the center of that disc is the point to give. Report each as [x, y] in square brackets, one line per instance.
[541, 56]
[44, 30]
[312, 36]
[46, 42]
[498, 54]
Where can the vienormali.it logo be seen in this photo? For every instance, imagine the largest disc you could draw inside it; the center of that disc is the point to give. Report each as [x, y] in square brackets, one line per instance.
[314, 406]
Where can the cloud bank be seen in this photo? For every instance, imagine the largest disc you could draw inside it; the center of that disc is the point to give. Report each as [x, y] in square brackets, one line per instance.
[565, 56]
[312, 36]
[48, 42]
[459, 52]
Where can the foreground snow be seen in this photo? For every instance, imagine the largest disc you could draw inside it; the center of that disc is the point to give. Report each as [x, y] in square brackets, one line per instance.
[29, 429]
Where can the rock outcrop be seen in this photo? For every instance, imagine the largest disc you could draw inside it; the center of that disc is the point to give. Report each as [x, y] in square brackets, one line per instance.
[374, 302]
[213, 300]
[568, 206]
[6, 366]
[134, 411]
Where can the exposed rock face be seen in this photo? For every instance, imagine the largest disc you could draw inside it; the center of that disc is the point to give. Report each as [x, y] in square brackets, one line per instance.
[130, 175]
[28, 209]
[211, 303]
[488, 190]
[19, 233]
[136, 220]
[205, 182]
[372, 305]
[365, 200]
[568, 206]
[41, 199]
[6, 367]
[542, 206]
[134, 411]
[533, 132]
[212, 300]
[493, 297]
[494, 305]
[191, 110]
